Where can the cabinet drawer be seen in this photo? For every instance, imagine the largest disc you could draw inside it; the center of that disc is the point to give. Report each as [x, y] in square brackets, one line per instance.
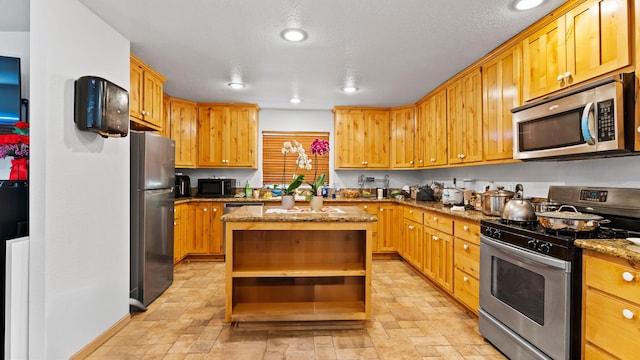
[612, 277]
[468, 231]
[467, 256]
[438, 222]
[608, 328]
[413, 214]
[466, 288]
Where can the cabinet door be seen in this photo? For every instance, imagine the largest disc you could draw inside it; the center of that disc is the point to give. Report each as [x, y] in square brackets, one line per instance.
[412, 237]
[349, 138]
[241, 136]
[373, 210]
[420, 152]
[211, 136]
[387, 229]
[544, 60]
[202, 228]
[178, 232]
[501, 92]
[152, 101]
[402, 138]
[136, 84]
[438, 263]
[464, 113]
[376, 139]
[182, 124]
[436, 129]
[216, 233]
[597, 33]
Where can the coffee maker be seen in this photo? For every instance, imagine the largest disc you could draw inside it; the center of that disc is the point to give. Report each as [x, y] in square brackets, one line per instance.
[183, 186]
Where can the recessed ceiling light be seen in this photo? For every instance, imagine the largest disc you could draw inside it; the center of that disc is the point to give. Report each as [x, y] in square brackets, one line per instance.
[527, 4]
[236, 85]
[349, 89]
[295, 100]
[294, 35]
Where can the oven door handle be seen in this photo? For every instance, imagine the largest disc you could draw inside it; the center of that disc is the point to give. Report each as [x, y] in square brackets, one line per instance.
[588, 123]
[527, 256]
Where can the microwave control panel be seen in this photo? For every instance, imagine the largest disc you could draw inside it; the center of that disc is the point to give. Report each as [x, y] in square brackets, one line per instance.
[606, 121]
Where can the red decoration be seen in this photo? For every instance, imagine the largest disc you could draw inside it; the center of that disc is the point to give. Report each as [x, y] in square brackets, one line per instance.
[19, 169]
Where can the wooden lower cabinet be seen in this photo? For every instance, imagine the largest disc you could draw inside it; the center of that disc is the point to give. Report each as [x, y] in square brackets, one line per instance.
[206, 237]
[180, 226]
[610, 307]
[446, 250]
[385, 231]
[466, 262]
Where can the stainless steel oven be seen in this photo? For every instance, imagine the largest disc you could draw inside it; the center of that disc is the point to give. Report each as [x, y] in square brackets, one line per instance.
[531, 277]
[525, 301]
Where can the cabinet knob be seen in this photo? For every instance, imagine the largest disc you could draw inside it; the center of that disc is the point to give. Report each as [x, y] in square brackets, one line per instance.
[366, 207]
[175, 223]
[205, 209]
[567, 75]
[381, 210]
[435, 218]
[411, 162]
[465, 279]
[422, 161]
[627, 276]
[433, 159]
[639, 129]
[215, 210]
[465, 246]
[366, 163]
[628, 314]
[435, 238]
[465, 228]
[560, 77]
[411, 227]
[410, 211]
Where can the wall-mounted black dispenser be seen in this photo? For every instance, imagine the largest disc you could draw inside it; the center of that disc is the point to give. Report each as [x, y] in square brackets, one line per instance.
[101, 106]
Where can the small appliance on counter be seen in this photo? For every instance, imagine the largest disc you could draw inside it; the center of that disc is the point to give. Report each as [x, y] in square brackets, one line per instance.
[183, 186]
[216, 188]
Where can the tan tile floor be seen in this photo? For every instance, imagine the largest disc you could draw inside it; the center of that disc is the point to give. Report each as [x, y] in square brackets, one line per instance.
[410, 320]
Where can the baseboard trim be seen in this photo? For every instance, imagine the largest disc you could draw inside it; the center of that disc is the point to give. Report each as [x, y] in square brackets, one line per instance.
[100, 340]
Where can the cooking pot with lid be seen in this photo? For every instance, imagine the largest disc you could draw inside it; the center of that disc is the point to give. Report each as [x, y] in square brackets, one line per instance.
[573, 220]
[518, 209]
[493, 201]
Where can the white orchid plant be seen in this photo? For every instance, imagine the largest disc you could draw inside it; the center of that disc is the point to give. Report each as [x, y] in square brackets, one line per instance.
[302, 162]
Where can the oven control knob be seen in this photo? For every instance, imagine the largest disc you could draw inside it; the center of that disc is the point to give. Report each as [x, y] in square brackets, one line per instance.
[545, 248]
[497, 234]
[532, 244]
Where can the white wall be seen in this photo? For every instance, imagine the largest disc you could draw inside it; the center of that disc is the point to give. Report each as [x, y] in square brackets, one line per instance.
[79, 198]
[15, 44]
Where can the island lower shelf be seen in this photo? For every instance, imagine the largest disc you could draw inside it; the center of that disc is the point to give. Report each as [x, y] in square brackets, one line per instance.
[279, 271]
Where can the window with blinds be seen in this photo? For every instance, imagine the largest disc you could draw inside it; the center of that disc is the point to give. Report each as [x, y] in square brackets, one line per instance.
[273, 159]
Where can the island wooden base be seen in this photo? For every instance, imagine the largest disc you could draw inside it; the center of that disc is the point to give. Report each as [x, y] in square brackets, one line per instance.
[298, 271]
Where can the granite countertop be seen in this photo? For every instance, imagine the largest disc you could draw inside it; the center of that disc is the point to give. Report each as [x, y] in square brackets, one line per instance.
[425, 205]
[298, 214]
[621, 248]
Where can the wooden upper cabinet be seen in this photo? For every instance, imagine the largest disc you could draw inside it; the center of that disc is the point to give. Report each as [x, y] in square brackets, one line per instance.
[402, 137]
[431, 131]
[182, 125]
[362, 138]
[227, 135]
[589, 40]
[464, 114]
[145, 96]
[501, 81]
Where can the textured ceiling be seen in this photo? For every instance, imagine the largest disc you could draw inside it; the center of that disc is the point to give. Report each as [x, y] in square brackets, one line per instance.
[395, 51]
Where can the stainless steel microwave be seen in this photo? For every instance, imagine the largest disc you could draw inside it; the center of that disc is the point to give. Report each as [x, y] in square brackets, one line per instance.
[216, 188]
[591, 120]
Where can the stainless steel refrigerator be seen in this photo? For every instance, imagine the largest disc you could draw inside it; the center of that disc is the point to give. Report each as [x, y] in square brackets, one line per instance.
[152, 197]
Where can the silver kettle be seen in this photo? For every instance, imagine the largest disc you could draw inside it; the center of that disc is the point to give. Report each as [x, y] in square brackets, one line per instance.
[518, 209]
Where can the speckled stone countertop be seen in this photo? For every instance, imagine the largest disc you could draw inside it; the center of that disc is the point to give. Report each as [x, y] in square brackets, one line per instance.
[299, 214]
[425, 205]
[621, 248]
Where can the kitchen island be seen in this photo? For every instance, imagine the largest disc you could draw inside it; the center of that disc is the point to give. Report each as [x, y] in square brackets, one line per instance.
[298, 265]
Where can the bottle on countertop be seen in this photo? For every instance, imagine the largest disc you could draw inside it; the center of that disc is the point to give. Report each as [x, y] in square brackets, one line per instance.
[247, 190]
